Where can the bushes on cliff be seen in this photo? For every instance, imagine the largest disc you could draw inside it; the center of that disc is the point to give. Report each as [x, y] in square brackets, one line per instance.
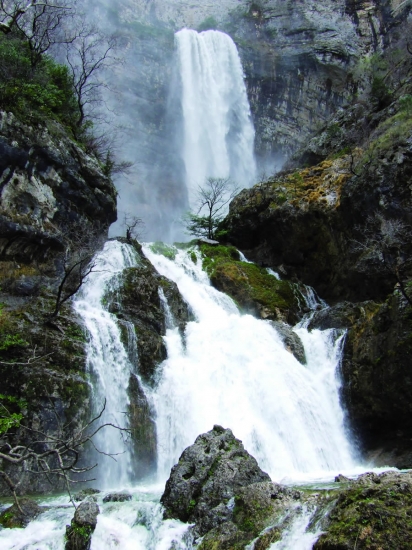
[37, 92]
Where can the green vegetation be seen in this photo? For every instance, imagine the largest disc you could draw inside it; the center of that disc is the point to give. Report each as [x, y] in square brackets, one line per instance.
[209, 23]
[371, 517]
[165, 250]
[11, 413]
[34, 93]
[212, 199]
[249, 285]
[9, 338]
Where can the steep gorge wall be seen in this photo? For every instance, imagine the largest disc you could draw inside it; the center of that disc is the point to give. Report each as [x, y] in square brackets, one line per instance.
[299, 60]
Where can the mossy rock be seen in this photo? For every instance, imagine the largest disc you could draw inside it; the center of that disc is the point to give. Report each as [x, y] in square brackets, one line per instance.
[375, 513]
[13, 518]
[250, 286]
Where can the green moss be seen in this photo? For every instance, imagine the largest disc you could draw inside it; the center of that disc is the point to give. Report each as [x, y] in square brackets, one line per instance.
[75, 332]
[245, 282]
[251, 522]
[193, 256]
[6, 519]
[393, 130]
[207, 24]
[164, 249]
[191, 506]
[371, 517]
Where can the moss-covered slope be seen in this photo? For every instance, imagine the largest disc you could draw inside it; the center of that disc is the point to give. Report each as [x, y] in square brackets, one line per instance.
[252, 287]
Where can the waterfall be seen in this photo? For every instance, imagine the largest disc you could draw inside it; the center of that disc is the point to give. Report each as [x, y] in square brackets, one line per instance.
[234, 370]
[218, 132]
[108, 361]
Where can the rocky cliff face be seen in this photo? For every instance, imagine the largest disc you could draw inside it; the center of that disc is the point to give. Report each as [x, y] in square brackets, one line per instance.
[48, 184]
[301, 63]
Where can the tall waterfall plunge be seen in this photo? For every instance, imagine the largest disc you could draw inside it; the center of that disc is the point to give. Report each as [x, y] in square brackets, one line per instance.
[218, 133]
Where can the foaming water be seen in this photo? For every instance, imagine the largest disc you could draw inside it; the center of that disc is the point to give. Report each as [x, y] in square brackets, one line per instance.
[297, 537]
[218, 131]
[107, 359]
[234, 370]
[134, 525]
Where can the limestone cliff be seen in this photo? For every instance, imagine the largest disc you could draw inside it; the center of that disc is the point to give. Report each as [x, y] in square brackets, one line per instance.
[48, 185]
[47, 182]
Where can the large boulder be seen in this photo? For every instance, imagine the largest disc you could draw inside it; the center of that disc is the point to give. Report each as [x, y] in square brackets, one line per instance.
[208, 475]
[79, 532]
[218, 486]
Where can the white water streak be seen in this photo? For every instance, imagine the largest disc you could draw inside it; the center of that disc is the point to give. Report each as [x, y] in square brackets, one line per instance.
[107, 359]
[296, 537]
[235, 371]
[218, 130]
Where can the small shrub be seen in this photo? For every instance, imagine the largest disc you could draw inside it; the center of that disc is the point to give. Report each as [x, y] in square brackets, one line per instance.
[208, 24]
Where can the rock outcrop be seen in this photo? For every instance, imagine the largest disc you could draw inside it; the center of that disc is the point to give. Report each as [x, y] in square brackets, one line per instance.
[79, 532]
[373, 512]
[208, 474]
[253, 289]
[47, 183]
[48, 186]
[139, 304]
[220, 488]
[342, 225]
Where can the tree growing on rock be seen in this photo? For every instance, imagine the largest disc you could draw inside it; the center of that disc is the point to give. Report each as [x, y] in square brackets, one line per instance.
[43, 24]
[55, 456]
[76, 261]
[133, 226]
[212, 199]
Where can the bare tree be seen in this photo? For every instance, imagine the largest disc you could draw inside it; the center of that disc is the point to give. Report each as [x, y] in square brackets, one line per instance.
[212, 200]
[43, 24]
[76, 261]
[133, 225]
[54, 456]
[86, 57]
[388, 242]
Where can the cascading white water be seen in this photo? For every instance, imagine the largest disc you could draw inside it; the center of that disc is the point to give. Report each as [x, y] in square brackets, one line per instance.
[234, 370]
[218, 131]
[107, 360]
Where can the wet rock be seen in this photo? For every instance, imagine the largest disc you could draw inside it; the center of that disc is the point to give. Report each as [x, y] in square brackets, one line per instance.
[340, 316]
[291, 340]
[341, 479]
[253, 289]
[85, 493]
[12, 517]
[79, 532]
[117, 497]
[138, 300]
[208, 475]
[377, 381]
[143, 430]
[374, 512]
